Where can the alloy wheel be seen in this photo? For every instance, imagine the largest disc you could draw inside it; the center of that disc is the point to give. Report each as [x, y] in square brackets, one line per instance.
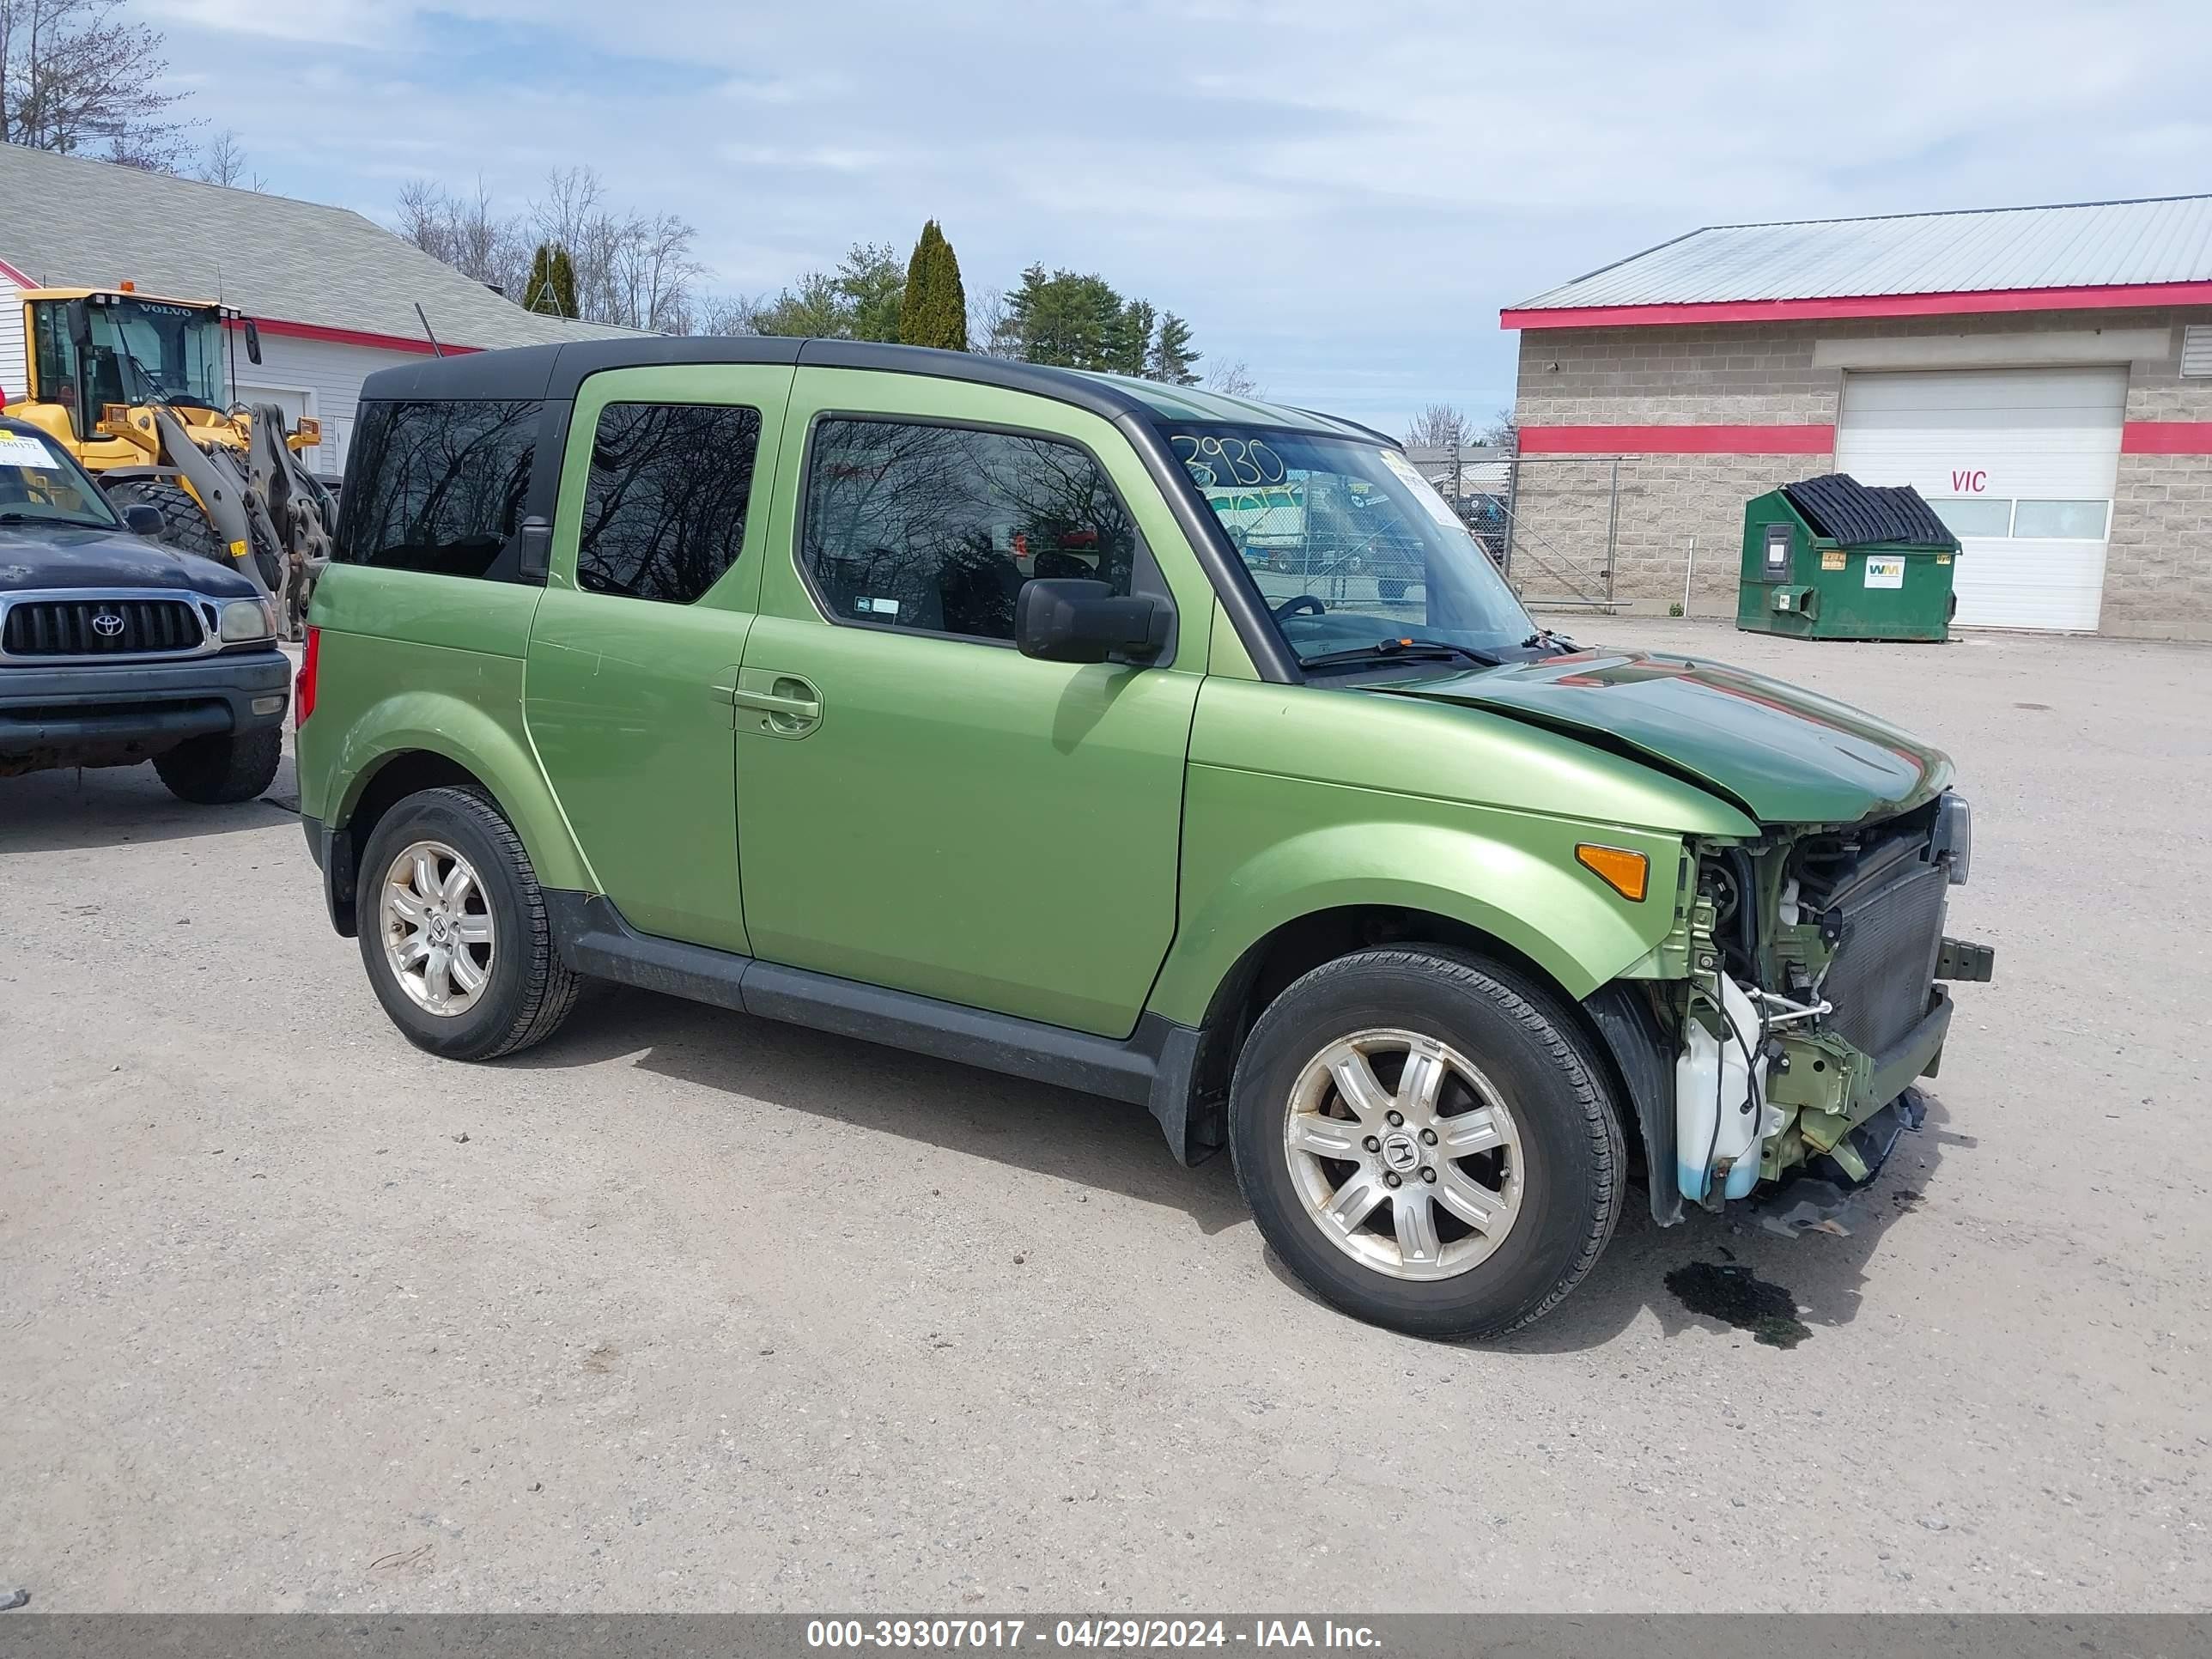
[437, 928]
[1404, 1154]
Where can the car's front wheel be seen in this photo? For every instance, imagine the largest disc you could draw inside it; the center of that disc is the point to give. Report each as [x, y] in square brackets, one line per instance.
[453, 929]
[1427, 1141]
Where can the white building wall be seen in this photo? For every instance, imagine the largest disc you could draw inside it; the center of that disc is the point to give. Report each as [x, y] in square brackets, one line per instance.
[323, 378]
[15, 372]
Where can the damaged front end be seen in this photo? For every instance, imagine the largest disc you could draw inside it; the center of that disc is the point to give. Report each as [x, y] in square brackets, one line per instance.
[1797, 1000]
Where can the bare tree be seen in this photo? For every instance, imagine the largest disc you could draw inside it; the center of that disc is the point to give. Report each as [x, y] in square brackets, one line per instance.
[728, 313]
[630, 269]
[223, 162]
[1440, 425]
[468, 232]
[1504, 431]
[1233, 380]
[75, 77]
[992, 329]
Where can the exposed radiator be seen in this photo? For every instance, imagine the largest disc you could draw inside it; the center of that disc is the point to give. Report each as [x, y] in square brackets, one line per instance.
[1885, 962]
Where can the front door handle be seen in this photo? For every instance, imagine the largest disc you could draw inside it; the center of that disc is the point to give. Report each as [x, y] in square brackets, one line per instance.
[790, 707]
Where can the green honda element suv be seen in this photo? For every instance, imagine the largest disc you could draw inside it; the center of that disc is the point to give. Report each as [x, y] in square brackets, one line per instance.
[944, 702]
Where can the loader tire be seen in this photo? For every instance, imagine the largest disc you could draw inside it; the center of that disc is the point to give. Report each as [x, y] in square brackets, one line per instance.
[224, 767]
[185, 525]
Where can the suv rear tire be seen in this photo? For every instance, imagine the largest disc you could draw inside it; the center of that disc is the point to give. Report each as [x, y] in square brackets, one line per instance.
[224, 769]
[1441, 1049]
[447, 896]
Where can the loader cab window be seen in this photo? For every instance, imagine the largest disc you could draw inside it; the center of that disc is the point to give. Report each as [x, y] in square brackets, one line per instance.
[143, 351]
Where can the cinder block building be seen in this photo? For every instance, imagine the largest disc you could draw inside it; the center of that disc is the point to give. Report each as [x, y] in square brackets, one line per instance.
[2042, 375]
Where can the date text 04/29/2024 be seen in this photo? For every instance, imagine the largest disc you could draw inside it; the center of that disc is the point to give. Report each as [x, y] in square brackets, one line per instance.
[1110, 1633]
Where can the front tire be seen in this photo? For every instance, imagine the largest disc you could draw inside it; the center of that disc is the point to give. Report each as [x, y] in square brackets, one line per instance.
[224, 769]
[1427, 1141]
[453, 929]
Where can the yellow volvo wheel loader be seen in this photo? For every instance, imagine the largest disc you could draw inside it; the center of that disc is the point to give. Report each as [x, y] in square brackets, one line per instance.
[141, 390]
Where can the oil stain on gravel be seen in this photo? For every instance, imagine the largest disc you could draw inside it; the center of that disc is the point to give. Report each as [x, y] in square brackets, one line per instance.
[1737, 1296]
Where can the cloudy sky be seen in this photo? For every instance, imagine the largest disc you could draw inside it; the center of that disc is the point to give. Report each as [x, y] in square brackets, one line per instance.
[1341, 195]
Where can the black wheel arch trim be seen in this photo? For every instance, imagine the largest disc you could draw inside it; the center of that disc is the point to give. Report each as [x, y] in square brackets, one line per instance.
[1638, 1047]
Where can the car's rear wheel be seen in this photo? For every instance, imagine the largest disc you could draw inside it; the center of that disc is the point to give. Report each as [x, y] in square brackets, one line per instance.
[453, 930]
[222, 768]
[1427, 1141]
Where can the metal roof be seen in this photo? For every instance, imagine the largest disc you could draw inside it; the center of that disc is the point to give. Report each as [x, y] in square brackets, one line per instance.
[2088, 245]
[68, 222]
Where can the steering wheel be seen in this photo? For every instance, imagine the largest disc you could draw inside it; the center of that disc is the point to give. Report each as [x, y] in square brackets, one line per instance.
[1305, 604]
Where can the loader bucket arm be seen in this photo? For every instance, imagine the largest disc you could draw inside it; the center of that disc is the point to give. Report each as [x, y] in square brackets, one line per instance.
[292, 507]
[221, 487]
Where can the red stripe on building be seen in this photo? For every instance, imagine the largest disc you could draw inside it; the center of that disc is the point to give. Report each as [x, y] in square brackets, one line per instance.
[2167, 438]
[1677, 439]
[354, 337]
[1870, 305]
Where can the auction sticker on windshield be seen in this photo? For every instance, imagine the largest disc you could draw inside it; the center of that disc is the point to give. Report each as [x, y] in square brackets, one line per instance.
[20, 449]
[1423, 492]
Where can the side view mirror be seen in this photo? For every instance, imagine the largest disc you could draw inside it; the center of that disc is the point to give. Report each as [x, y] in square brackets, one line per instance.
[80, 326]
[252, 341]
[145, 518]
[1067, 619]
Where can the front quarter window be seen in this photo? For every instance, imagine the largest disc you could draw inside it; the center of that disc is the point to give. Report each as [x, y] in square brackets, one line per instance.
[1349, 546]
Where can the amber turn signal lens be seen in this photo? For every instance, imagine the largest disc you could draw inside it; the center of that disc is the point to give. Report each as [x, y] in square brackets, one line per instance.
[1627, 874]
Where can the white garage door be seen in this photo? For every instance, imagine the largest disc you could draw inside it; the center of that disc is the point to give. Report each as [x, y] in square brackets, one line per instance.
[294, 404]
[2020, 463]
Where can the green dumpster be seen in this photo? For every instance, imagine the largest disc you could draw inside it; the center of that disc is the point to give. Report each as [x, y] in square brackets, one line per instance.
[1830, 558]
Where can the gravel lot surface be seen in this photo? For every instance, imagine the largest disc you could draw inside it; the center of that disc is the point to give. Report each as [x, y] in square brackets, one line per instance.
[684, 1310]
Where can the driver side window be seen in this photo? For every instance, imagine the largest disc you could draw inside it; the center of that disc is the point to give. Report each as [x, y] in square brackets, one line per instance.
[935, 528]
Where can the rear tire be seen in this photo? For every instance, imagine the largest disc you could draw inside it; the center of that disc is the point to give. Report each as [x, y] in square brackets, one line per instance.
[526, 990]
[1506, 1073]
[223, 770]
[184, 525]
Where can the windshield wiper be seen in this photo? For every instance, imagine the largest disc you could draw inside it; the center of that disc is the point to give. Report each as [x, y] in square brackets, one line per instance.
[76, 520]
[1402, 650]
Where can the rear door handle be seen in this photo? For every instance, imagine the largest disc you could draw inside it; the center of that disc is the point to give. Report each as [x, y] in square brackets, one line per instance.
[788, 707]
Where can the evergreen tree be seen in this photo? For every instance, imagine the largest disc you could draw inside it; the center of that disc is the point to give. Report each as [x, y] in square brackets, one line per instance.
[873, 285]
[551, 290]
[1131, 337]
[1171, 358]
[934, 309]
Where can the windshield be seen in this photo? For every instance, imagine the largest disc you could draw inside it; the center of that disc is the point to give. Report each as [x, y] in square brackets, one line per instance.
[151, 351]
[1350, 546]
[39, 482]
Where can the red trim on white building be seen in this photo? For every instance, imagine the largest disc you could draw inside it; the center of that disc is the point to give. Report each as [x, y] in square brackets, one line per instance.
[2116, 295]
[353, 336]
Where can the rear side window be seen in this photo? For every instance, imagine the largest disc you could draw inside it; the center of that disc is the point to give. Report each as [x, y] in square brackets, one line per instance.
[436, 487]
[937, 528]
[664, 505]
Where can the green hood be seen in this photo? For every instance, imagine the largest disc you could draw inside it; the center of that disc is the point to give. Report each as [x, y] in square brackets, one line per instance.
[1786, 755]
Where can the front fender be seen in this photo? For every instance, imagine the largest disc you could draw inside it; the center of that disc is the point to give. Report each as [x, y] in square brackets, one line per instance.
[439, 723]
[1509, 875]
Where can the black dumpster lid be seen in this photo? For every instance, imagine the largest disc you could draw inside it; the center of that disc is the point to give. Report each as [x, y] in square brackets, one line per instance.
[1852, 514]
